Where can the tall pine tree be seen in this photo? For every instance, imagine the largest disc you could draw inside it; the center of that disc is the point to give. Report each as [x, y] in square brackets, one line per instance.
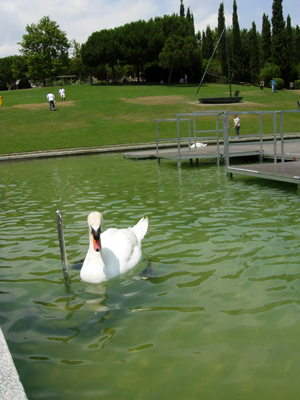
[278, 33]
[289, 37]
[296, 42]
[280, 52]
[222, 53]
[181, 12]
[266, 46]
[236, 43]
[254, 55]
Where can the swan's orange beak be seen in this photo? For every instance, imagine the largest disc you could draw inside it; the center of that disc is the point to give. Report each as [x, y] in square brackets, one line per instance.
[96, 239]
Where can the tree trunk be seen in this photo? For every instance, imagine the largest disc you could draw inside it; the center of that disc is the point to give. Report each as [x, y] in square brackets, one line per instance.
[170, 76]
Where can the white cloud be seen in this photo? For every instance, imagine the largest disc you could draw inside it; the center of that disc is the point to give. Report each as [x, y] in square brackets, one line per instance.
[80, 18]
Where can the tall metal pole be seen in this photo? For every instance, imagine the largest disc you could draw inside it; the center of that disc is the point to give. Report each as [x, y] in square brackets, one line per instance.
[210, 60]
[62, 246]
[228, 62]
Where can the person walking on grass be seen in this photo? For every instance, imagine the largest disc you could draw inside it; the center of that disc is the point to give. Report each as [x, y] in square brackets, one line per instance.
[261, 84]
[273, 83]
[62, 94]
[236, 125]
[51, 99]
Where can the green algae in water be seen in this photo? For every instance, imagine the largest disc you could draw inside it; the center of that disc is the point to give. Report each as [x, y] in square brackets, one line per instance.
[219, 321]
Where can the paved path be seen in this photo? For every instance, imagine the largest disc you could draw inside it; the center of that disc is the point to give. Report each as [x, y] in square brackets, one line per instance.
[10, 386]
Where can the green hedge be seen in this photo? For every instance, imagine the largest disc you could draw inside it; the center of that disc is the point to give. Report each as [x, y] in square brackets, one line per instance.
[280, 84]
[297, 84]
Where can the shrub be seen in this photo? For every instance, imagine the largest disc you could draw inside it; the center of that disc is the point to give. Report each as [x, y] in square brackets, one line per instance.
[268, 73]
[297, 84]
[280, 84]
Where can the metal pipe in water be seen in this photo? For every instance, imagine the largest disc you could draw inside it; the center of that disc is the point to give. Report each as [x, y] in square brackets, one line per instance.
[62, 246]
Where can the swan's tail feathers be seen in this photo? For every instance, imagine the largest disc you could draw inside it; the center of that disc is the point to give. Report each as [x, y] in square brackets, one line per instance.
[140, 229]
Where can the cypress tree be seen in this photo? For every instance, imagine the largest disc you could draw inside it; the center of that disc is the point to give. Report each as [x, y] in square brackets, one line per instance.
[266, 46]
[190, 18]
[236, 43]
[254, 55]
[222, 53]
[204, 46]
[209, 41]
[278, 40]
[297, 45]
[181, 12]
[280, 52]
[289, 37]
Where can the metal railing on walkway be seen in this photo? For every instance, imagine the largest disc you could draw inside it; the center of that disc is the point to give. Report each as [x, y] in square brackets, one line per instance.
[220, 133]
[277, 140]
[193, 134]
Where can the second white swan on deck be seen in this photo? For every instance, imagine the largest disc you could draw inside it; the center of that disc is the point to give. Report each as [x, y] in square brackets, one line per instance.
[112, 252]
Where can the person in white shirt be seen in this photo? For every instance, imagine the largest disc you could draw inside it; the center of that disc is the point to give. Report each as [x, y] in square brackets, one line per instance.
[236, 125]
[62, 94]
[51, 99]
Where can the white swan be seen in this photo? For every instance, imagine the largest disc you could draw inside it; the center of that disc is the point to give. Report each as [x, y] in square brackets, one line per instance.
[112, 252]
[198, 144]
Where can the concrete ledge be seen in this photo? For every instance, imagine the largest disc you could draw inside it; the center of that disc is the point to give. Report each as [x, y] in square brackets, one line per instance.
[11, 387]
[126, 147]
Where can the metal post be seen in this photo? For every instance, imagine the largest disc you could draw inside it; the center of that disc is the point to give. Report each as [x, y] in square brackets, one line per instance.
[189, 121]
[261, 139]
[195, 137]
[62, 246]
[156, 137]
[228, 62]
[282, 138]
[226, 137]
[217, 127]
[178, 138]
[275, 138]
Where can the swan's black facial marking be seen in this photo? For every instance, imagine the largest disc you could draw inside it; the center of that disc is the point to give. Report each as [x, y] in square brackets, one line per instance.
[96, 234]
[96, 239]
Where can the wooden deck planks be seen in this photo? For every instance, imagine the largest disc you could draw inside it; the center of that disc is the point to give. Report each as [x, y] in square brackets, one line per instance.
[285, 172]
[288, 171]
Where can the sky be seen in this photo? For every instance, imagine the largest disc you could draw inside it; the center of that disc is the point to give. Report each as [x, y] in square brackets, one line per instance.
[80, 18]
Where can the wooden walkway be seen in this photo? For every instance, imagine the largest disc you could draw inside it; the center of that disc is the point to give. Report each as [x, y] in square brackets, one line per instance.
[288, 171]
[237, 149]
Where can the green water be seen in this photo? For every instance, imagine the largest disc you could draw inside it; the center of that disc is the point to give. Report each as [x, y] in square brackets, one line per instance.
[220, 321]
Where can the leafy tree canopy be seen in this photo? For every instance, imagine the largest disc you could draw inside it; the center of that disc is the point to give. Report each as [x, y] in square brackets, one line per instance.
[45, 47]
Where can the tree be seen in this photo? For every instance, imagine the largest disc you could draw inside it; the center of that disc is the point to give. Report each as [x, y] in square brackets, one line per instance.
[19, 70]
[181, 12]
[280, 52]
[222, 53]
[45, 47]
[136, 40]
[246, 52]
[102, 48]
[289, 37]
[179, 53]
[278, 39]
[207, 43]
[76, 59]
[254, 55]
[266, 46]
[297, 45]
[236, 43]
[6, 74]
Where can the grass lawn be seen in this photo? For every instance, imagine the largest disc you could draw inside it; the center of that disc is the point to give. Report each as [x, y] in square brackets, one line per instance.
[102, 115]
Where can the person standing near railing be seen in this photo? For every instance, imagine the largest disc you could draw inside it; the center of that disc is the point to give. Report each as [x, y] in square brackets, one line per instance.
[236, 125]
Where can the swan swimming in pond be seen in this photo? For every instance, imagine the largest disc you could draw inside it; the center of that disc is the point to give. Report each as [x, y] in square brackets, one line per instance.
[112, 252]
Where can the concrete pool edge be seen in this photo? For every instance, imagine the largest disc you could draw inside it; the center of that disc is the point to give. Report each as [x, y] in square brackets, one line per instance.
[116, 148]
[10, 384]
